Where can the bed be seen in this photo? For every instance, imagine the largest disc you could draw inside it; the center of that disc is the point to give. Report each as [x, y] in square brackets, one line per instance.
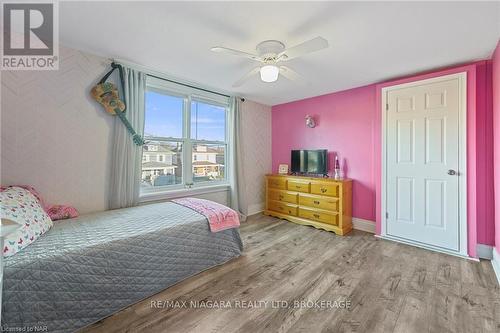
[85, 269]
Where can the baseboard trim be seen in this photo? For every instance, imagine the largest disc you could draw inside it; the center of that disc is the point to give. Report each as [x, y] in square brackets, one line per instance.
[495, 262]
[255, 209]
[363, 225]
[484, 251]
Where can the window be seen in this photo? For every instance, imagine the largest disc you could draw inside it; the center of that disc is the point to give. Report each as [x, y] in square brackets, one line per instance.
[186, 137]
[208, 122]
[208, 137]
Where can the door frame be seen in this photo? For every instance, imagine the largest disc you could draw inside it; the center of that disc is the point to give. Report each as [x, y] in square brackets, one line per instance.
[462, 167]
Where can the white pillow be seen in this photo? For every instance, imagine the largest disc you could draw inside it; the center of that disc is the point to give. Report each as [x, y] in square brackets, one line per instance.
[23, 208]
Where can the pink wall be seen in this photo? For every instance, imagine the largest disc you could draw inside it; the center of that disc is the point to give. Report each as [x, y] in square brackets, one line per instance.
[495, 70]
[484, 145]
[349, 124]
[345, 122]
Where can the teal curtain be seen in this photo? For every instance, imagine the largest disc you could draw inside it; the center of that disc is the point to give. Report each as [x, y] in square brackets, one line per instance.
[125, 172]
[238, 200]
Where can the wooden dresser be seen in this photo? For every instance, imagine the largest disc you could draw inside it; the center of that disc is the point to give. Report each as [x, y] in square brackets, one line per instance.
[324, 203]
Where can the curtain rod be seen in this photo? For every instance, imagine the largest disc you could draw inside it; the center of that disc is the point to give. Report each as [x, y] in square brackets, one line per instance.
[113, 64]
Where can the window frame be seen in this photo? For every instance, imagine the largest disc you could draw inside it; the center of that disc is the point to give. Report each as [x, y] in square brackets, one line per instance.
[189, 95]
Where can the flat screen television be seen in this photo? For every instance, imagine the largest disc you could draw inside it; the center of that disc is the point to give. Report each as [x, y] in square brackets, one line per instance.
[310, 161]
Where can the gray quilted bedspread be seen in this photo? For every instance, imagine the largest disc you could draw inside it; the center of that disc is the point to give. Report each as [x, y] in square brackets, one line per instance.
[87, 268]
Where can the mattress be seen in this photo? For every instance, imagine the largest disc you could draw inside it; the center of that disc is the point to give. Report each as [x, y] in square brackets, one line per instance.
[87, 268]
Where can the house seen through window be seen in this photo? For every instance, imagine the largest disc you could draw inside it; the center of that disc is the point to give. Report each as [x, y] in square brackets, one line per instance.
[186, 142]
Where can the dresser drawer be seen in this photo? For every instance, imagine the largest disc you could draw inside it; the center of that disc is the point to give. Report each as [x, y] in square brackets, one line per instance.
[299, 186]
[282, 208]
[319, 216]
[327, 203]
[278, 195]
[279, 183]
[331, 190]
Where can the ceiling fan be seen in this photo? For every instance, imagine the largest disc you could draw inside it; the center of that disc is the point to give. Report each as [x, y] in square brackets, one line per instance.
[270, 54]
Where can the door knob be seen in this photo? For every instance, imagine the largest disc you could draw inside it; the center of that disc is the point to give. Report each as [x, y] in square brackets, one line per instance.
[452, 172]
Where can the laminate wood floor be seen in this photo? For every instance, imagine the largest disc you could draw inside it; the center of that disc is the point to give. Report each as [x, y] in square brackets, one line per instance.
[389, 287]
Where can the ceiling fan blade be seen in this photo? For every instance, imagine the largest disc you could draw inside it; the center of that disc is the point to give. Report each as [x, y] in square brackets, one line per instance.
[221, 49]
[246, 77]
[290, 74]
[312, 45]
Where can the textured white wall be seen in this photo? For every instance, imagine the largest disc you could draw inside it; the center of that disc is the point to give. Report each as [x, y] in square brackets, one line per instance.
[54, 136]
[57, 139]
[256, 151]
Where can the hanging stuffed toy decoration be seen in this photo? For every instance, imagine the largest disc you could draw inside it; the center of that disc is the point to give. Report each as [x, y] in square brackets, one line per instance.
[106, 93]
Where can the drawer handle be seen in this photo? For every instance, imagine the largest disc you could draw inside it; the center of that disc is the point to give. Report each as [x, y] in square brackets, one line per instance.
[316, 202]
[289, 212]
[281, 197]
[298, 186]
[316, 216]
[323, 190]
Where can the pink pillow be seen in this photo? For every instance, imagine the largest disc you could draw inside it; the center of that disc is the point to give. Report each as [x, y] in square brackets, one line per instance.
[61, 212]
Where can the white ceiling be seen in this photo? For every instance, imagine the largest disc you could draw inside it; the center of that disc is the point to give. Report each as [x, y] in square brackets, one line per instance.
[369, 42]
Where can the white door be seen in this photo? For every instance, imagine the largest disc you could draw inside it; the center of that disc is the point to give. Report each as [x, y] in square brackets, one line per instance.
[422, 163]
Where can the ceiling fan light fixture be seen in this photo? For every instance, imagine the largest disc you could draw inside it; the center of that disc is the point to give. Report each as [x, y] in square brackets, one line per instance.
[269, 73]
[271, 54]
